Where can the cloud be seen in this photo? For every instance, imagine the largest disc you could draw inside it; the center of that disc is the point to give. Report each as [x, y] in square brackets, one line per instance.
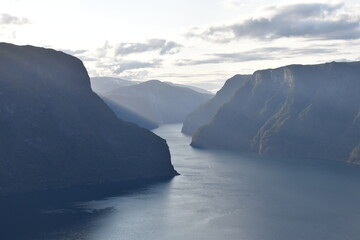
[7, 19]
[233, 3]
[87, 59]
[225, 58]
[102, 51]
[129, 65]
[161, 45]
[136, 75]
[73, 52]
[170, 48]
[306, 20]
[257, 54]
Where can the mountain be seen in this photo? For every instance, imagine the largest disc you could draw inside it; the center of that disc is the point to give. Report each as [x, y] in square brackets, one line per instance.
[56, 132]
[197, 89]
[128, 115]
[158, 102]
[206, 111]
[296, 111]
[103, 85]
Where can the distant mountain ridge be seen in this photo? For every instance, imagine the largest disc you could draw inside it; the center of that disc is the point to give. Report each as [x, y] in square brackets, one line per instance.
[155, 102]
[103, 85]
[56, 132]
[197, 89]
[301, 111]
[128, 115]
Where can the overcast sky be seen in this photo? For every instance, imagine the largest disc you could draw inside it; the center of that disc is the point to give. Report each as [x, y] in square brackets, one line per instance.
[199, 42]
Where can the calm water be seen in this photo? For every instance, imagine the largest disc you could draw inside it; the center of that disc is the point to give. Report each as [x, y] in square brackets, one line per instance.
[219, 195]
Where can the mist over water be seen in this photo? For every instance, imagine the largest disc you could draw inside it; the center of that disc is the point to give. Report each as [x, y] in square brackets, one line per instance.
[222, 195]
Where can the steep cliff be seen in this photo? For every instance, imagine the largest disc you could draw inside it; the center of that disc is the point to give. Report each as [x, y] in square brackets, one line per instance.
[206, 111]
[295, 111]
[55, 132]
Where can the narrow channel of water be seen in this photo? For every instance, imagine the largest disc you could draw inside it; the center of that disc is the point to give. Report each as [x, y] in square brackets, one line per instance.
[227, 196]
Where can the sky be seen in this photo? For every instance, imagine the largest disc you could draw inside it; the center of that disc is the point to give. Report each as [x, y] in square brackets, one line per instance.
[201, 43]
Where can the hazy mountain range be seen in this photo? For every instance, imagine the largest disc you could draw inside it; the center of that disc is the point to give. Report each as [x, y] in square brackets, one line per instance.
[103, 85]
[301, 111]
[56, 132]
[151, 103]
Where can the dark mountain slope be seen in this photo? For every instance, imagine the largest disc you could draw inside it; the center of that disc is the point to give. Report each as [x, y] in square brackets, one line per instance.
[55, 132]
[206, 111]
[294, 111]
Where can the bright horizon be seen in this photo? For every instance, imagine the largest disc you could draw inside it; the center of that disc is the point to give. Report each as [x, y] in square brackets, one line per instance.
[200, 43]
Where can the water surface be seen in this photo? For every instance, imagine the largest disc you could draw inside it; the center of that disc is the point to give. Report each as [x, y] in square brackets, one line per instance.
[219, 195]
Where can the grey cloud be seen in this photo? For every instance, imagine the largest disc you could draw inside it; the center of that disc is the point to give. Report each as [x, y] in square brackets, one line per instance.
[255, 55]
[340, 60]
[132, 69]
[102, 51]
[309, 20]
[129, 65]
[7, 19]
[304, 10]
[170, 48]
[225, 58]
[161, 45]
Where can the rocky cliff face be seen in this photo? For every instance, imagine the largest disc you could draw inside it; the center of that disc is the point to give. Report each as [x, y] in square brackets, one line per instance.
[157, 102]
[206, 111]
[55, 132]
[294, 111]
